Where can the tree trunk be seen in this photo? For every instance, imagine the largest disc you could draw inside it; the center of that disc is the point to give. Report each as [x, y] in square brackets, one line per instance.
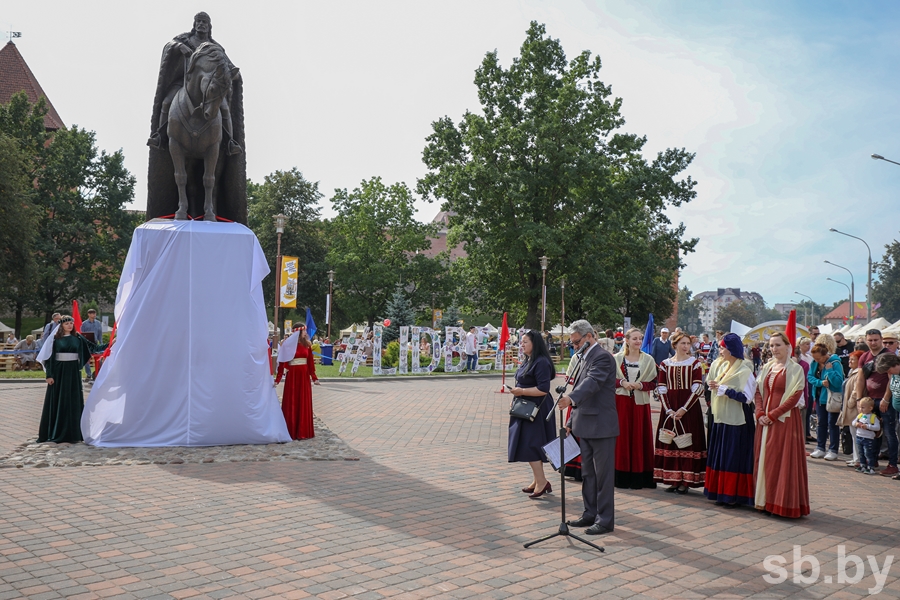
[18, 325]
[533, 316]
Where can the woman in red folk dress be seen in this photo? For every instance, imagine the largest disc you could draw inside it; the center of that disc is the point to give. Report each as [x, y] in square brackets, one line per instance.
[636, 374]
[680, 389]
[782, 485]
[297, 357]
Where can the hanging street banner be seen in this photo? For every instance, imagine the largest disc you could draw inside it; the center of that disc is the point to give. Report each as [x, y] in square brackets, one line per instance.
[290, 266]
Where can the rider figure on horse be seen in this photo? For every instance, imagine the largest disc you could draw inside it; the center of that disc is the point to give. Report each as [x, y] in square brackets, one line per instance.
[171, 79]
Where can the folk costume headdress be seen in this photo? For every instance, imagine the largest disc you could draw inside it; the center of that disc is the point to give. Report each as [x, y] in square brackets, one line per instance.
[734, 375]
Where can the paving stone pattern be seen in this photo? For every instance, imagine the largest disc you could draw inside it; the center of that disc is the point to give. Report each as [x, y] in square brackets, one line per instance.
[431, 510]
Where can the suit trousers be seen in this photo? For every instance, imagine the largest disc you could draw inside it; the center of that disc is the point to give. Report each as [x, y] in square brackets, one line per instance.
[598, 470]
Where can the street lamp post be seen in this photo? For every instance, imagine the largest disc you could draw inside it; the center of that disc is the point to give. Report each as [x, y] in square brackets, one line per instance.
[279, 229]
[880, 157]
[562, 316]
[851, 289]
[806, 317]
[330, 301]
[848, 290]
[543, 292]
[869, 284]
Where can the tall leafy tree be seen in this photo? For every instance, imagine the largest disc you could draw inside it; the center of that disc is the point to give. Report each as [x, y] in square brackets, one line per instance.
[290, 194]
[17, 234]
[689, 312]
[83, 231]
[736, 311]
[376, 245]
[543, 169]
[887, 289]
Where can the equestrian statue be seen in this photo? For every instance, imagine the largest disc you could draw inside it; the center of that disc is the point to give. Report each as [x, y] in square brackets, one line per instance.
[197, 162]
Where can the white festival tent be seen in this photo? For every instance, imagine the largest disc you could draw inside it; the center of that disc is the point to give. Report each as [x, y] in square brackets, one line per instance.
[4, 329]
[190, 365]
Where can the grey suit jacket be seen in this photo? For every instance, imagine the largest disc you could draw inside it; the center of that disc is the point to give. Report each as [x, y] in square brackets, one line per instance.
[594, 395]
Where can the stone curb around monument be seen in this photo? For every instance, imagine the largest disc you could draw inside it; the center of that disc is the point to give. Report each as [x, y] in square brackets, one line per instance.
[326, 446]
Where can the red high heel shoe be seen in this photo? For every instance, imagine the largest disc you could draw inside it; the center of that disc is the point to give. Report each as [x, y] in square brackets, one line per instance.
[547, 489]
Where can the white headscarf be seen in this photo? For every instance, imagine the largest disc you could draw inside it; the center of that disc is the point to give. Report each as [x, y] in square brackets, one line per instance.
[47, 346]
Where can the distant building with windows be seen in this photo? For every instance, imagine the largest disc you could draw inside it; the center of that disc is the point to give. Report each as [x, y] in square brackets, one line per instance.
[713, 301]
[785, 308]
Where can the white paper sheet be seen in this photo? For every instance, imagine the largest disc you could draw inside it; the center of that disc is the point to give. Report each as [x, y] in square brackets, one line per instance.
[571, 449]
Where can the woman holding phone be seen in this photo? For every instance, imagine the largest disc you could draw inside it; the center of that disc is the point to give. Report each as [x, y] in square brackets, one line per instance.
[527, 438]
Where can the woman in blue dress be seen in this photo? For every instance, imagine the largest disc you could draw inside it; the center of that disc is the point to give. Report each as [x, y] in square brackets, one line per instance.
[526, 438]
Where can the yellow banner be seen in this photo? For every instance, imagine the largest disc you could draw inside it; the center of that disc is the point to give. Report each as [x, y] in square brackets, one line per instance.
[288, 326]
[290, 266]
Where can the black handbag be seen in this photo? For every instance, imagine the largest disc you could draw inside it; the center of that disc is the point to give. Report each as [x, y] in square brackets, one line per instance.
[523, 408]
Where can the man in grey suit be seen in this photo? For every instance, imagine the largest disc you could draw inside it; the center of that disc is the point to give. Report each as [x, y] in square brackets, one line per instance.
[595, 422]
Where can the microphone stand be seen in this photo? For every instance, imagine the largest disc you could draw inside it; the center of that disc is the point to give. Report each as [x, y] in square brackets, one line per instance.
[563, 526]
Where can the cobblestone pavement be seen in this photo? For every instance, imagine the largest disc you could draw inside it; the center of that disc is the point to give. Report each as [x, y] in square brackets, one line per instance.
[431, 509]
[325, 446]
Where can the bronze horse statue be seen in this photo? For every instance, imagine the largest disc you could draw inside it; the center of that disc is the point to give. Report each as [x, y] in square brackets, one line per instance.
[195, 123]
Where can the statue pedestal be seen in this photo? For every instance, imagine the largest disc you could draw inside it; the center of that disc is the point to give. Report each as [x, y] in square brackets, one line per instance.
[190, 363]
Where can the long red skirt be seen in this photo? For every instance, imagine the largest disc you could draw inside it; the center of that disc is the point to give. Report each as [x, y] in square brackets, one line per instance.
[784, 479]
[296, 403]
[634, 446]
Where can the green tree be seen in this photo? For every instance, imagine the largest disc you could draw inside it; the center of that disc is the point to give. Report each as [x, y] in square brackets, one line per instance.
[290, 194]
[19, 218]
[811, 313]
[689, 312]
[374, 241]
[887, 289]
[736, 311]
[400, 312]
[542, 170]
[450, 317]
[83, 233]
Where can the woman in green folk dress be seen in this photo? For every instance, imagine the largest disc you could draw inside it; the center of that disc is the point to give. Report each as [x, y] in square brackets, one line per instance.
[64, 400]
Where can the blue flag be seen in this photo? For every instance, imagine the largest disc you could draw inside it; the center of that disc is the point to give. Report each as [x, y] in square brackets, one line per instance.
[648, 336]
[310, 324]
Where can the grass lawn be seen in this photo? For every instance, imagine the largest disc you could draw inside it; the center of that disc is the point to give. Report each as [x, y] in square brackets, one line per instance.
[321, 371]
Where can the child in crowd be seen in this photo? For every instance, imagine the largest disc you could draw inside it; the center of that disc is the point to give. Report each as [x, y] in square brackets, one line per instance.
[867, 425]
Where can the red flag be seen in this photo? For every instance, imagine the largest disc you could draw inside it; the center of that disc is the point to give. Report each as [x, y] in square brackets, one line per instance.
[112, 337]
[76, 314]
[504, 335]
[790, 330]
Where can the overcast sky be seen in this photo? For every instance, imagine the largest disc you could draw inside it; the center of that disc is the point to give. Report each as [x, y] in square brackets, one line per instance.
[783, 102]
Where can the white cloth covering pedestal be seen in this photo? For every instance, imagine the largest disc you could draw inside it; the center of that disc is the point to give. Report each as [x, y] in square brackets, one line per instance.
[189, 366]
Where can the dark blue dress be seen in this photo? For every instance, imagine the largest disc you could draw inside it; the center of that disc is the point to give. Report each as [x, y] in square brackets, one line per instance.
[526, 438]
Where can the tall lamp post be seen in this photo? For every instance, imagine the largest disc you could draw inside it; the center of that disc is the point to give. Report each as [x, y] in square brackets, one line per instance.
[848, 290]
[543, 292]
[852, 289]
[279, 229]
[562, 317]
[869, 284]
[330, 302]
[806, 317]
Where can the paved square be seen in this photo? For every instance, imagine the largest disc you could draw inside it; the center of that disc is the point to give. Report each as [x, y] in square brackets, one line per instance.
[431, 509]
